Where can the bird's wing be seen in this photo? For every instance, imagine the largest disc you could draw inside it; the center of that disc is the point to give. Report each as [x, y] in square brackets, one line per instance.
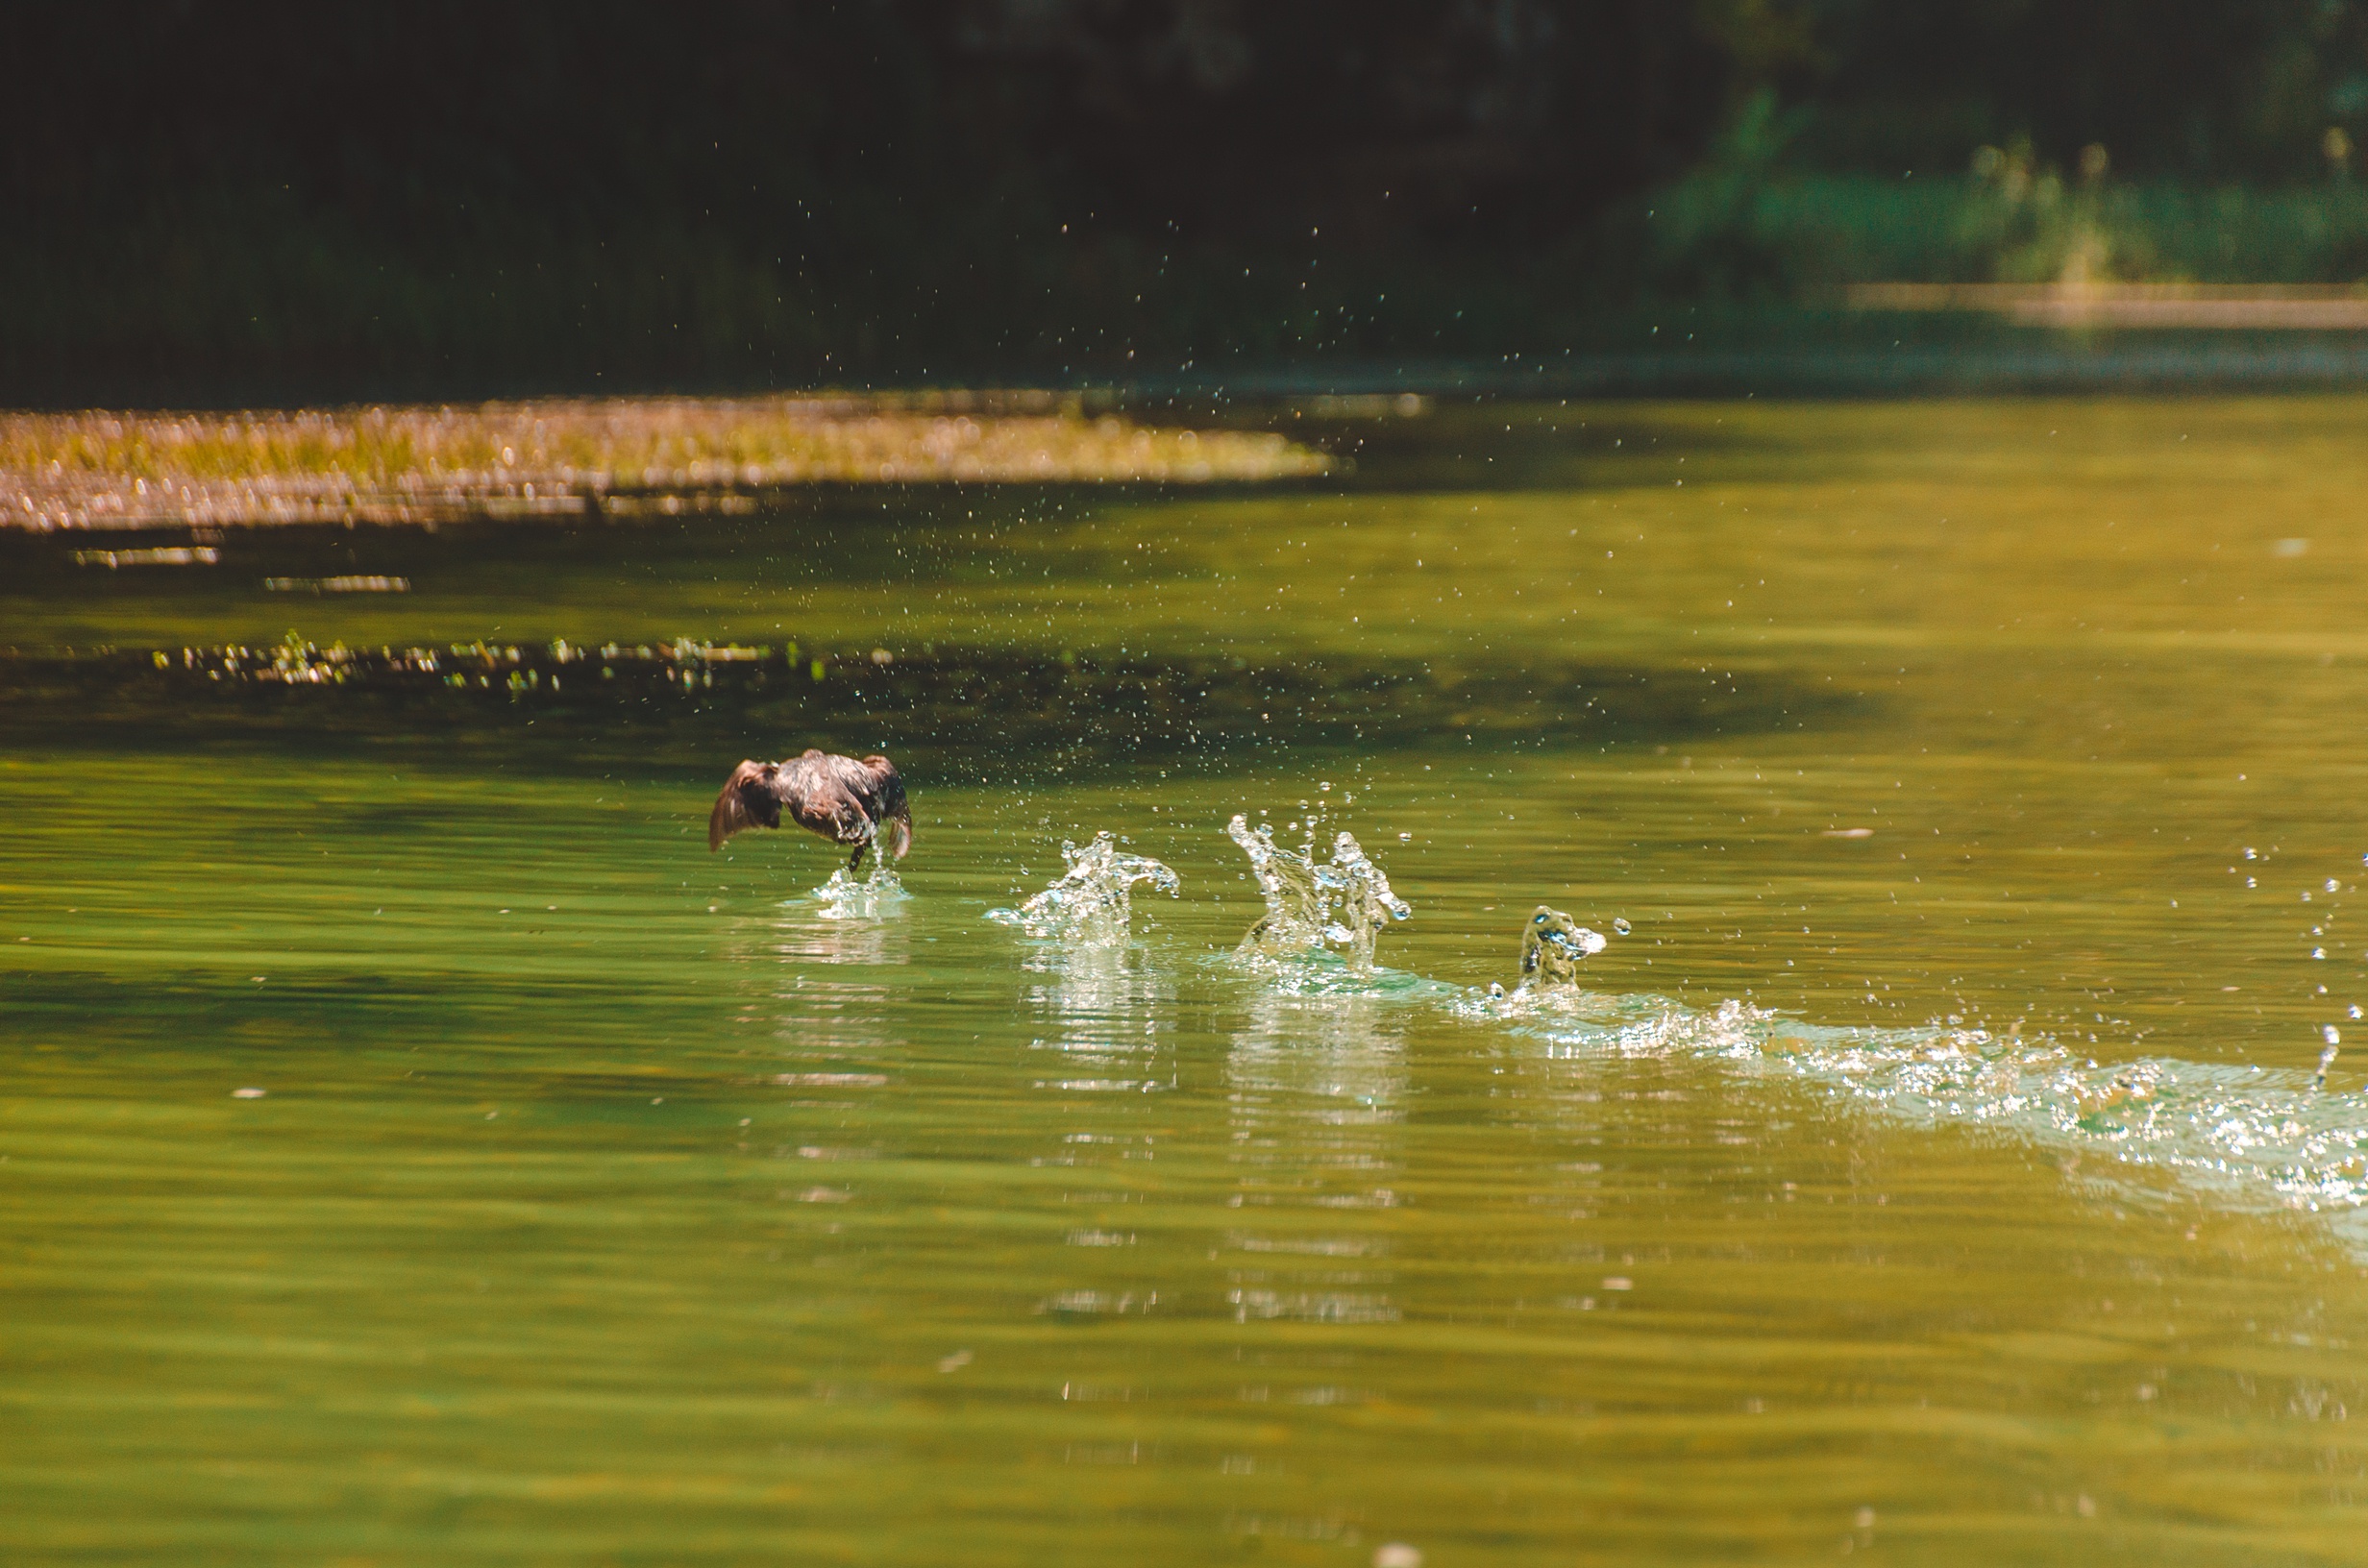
[732, 814]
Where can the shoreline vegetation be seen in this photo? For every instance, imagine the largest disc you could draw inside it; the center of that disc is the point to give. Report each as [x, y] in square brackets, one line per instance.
[580, 457]
[1064, 194]
[1743, 255]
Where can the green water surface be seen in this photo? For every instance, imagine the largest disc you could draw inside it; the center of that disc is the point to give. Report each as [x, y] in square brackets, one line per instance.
[610, 1202]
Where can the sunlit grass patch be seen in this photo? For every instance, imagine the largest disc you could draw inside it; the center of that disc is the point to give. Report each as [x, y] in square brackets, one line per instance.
[423, 464]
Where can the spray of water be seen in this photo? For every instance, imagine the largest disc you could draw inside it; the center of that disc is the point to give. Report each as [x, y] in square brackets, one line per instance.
[1553, 946]
[870, 896]
[1092, 901]
[1343, 902]
[2259, 1136]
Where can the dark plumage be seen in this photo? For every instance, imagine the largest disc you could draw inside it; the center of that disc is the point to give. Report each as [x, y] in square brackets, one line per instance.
[845, 801]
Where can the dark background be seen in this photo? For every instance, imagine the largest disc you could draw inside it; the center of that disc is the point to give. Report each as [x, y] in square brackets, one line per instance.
[206, 201]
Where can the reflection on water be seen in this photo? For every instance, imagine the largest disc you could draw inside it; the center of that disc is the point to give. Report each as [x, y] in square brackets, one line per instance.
[1314, 1091]
[823, 981]
[1315, 1085]
[1104, 1007]
[839, 930]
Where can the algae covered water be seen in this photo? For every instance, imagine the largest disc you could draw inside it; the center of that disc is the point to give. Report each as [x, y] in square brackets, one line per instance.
[416, 1147]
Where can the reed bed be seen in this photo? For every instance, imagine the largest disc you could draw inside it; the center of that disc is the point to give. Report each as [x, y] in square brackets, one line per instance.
[102, 470]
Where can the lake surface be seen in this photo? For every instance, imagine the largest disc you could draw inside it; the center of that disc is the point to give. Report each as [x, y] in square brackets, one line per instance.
[1931, 1169]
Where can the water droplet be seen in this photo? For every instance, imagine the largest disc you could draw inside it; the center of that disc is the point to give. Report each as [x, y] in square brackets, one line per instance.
[2331, 1034]
[246, 1093]
[2252, 854]
[2333, 886]
[1619, 923]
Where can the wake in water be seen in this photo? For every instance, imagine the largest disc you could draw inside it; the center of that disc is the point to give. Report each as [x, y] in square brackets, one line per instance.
[1093, 901]
[2255, 1137]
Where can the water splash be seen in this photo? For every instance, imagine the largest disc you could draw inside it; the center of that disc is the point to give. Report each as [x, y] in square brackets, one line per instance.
[1341, 903]
[1092, 901]
[1365, 902]
[870, 896]
[1295, 917]
[1553, 946]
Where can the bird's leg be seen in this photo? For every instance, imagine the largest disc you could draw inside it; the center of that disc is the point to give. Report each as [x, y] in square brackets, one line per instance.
[854, 862]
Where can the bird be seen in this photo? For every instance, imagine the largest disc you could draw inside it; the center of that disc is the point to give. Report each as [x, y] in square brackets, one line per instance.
[845, 800]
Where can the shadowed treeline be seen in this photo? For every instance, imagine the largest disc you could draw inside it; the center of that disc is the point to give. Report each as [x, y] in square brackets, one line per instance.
[217, 202]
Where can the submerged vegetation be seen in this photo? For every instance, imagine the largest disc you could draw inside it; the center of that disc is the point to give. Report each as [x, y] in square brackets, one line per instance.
[577, 457]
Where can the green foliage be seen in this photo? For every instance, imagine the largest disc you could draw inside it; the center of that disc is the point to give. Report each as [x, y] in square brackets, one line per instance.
[1742, 230]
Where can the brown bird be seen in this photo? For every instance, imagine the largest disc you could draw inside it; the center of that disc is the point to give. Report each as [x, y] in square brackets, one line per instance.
[845, 801]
